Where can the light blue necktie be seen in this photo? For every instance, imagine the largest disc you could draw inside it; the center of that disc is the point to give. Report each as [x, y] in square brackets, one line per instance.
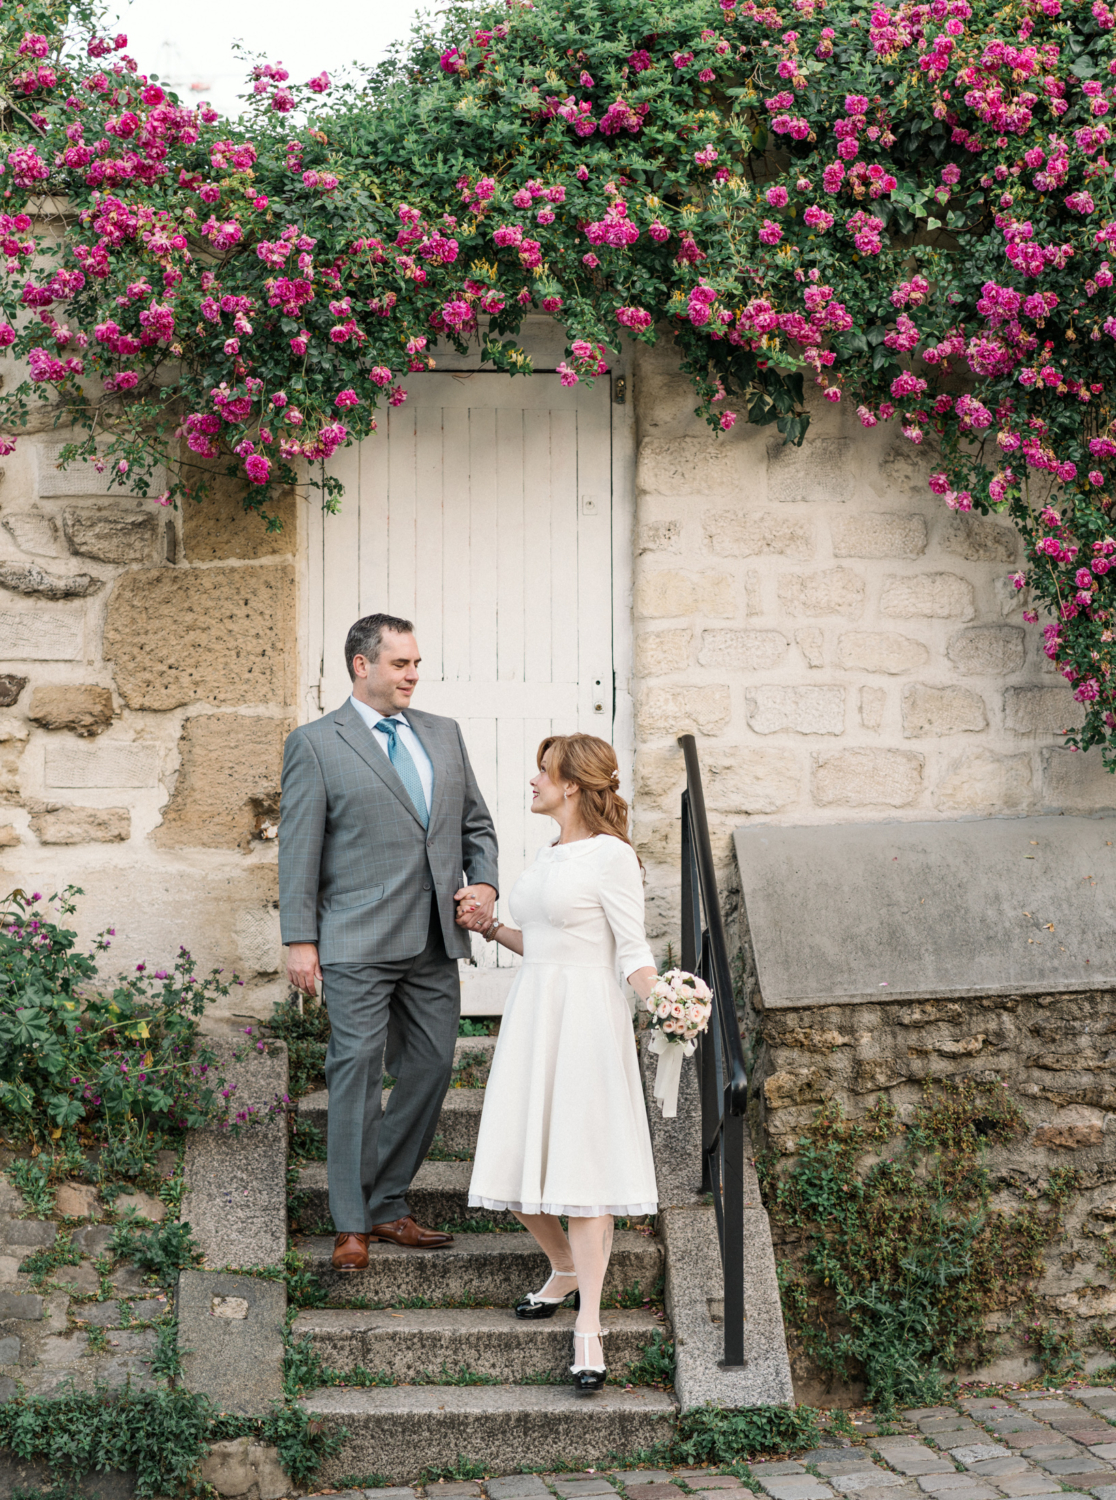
[403, 762]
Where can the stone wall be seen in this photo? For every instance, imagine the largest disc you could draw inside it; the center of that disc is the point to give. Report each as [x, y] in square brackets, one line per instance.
[147, 680]
[842, 645]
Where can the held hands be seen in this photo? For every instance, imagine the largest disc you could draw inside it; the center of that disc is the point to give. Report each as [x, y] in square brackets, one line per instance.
[303, 968]
[475, 907]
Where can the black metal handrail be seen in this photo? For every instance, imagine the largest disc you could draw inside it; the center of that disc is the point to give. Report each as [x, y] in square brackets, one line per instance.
[723, 1079]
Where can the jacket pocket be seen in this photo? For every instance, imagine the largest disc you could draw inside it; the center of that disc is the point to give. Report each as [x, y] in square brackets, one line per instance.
[356, 898]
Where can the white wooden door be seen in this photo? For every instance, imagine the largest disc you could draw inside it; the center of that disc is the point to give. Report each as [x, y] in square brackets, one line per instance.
[481, 510]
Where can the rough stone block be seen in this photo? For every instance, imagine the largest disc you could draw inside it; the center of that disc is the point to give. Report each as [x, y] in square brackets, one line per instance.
[659, 536]
[682, 710]
[237, 1363]
[659, 651]
[975, 1453]
[9, 1350]
[988, 650]
[932, 711]
[742, 650]
[794, 1086]
[34, 532]
[517, 1487]
[111, 535]
[880, 651]
[1077, 782]
[750, 781]
[217, 527]
[31, 581]
[114, 764]
[32, 1232]
[26, 1305]
[873, 701]
[82, 476]
[685, 466]
[978, 539]
[10, 688]
[81, 707]
[792, 1488]
[83, 825]
[835, 591]
[9, 836]
[932, 596]
[143, 1205]
[76, 1200]
[810, 641]
[228, 787]
[819, 470]
[40, 635]
[801, 710]
[866, 778]
[665, 594]
[1041, 710]
[879, 534]
[227, 633]
[734, 533]
[980, 781]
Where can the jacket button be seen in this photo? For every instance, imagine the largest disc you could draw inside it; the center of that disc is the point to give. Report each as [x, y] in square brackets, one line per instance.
[426, 885]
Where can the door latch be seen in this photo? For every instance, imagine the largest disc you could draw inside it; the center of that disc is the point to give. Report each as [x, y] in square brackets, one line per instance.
[598, 696]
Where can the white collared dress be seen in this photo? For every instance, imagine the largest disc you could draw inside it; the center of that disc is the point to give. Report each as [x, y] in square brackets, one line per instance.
[564, 1127]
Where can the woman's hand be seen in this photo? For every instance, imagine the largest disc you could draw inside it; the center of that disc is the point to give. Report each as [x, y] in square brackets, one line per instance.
[643, 981]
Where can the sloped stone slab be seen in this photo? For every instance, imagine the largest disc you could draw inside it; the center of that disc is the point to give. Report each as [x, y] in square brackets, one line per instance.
[236, 1362]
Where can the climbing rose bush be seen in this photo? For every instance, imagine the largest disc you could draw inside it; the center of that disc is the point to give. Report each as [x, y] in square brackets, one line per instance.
[909, 206]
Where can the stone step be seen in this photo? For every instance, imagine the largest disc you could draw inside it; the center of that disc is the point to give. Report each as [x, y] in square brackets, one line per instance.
[415, 1345]
[438, 1195]
[399, 1430]
[458, 1122]
[493, 1270]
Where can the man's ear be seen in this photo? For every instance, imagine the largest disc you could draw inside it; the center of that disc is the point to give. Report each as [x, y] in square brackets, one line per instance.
[360, 666]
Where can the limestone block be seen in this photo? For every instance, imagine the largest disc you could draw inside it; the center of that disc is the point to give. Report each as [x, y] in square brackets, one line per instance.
[979, 539]
[685, 466]
[983, 782]
[227, 1469]
[41, 416]
[30, 580]
[810, 641]
[1009, 598]
[836, 591]
[734, 533]
[660, 776]
[85, 709]
[873, 701]
[867, 777]
[904, 468]
[803, 710]
[143, 1205]
[111, 536]
[112, 763]
[1077, 782]
[10, 688]
[217, 526]
[10, 757]
[1072, 1128]
[886, 533]
[753, 593]
[742, 650]
[880, 651]
[659, 651]
[34, 532]
[228, 636]
[228, 784]
[76, 1200]
[682, 710]
[1042, 710]
[934, 596]
[83, 825]
[750, 781]
[9, 836]
[659, 536]
[937, 711]
[83, 477]
[988, 650]
[819, 470]
[40, 635]
[665, 594]
[798, 1086]
[659, 840]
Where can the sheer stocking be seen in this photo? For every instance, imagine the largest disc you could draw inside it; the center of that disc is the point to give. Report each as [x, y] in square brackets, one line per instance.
[591, 1246]
[547, 1230]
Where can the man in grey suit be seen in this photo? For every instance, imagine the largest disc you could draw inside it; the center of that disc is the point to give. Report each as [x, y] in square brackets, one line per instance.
[381, 816]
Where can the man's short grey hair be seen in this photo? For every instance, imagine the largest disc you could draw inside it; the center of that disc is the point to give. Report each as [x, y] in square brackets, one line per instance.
[366, 637]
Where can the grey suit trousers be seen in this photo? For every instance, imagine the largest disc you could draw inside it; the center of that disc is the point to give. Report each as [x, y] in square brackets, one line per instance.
[411, 1008]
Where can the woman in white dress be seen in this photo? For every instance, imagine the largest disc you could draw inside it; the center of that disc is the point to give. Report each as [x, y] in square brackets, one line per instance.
[564, 1128]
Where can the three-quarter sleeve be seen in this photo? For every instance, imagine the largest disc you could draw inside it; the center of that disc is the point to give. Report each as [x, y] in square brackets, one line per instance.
[621, 895]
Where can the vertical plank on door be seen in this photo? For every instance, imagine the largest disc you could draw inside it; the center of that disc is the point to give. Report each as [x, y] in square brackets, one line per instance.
[483, 576]
[429, 603]
[401, 514]
[457, 572]
[341, 572]
[508, 542]
[511, 776]
[539, 542]
[594, 560]
[565, 603]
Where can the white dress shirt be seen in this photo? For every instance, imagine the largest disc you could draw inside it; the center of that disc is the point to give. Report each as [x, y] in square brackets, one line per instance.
[408, 737]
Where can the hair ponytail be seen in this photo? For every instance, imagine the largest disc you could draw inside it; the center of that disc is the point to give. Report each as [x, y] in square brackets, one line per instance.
[590, 763]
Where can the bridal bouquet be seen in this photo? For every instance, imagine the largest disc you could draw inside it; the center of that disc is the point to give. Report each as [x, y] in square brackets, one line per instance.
[680, 1005]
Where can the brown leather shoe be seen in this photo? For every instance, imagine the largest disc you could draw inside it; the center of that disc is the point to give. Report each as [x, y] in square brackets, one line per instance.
[350, 1252]
[406, 1232]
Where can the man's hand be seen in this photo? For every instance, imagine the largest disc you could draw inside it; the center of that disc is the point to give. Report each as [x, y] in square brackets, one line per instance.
[303, 968]
[476, 906]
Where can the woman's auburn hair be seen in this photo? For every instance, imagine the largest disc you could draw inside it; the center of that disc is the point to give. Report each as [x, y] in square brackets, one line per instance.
[590, 763]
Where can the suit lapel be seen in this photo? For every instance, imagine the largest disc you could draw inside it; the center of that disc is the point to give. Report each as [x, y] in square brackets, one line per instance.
[357, 735]
[431, 742]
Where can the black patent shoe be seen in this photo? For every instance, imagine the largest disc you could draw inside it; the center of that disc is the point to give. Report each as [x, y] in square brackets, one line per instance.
[588, 1378]
[535, 1305]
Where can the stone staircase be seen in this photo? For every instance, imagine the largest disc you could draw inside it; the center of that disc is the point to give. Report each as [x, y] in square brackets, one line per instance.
[470, 1378]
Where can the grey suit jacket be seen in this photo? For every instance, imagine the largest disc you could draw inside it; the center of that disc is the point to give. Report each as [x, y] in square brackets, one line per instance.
[355, 863]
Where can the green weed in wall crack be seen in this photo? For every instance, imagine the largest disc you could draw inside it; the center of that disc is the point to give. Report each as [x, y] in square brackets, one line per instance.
[894, 1266]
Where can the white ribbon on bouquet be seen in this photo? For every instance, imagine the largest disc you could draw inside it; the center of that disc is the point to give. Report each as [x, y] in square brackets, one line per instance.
[668, 1073]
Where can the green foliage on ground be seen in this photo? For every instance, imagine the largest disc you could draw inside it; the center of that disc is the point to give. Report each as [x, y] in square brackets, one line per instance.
[162, 1249]
[87, 1061]
[655, 1365]
[466, 1026]
[896, 1261]
[306, 1033]
[725, 1434]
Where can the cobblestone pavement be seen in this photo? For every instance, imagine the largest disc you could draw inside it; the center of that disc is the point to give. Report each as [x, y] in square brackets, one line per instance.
[1060, 1445]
